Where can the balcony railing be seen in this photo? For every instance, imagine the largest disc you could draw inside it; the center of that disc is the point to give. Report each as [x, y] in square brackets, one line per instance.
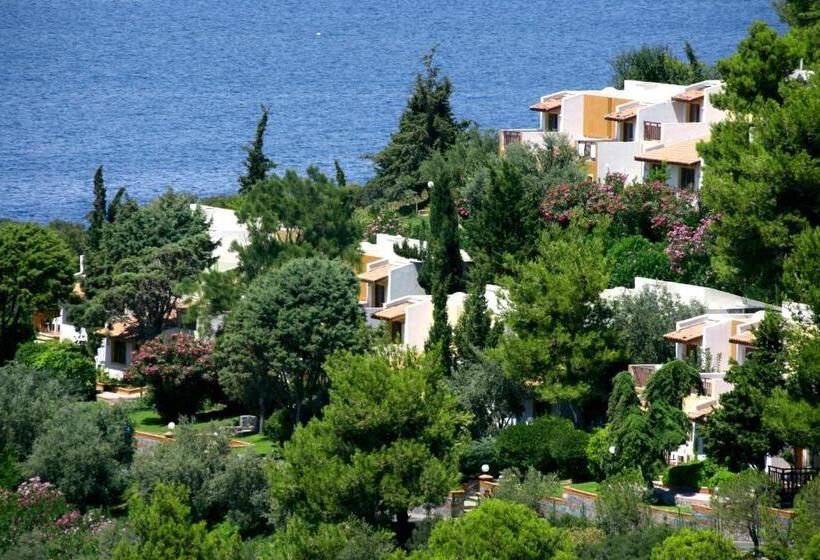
[790, 481]
[532, 136]
[651, 130]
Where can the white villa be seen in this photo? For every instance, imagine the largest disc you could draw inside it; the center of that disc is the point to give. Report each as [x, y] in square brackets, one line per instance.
[630, 130]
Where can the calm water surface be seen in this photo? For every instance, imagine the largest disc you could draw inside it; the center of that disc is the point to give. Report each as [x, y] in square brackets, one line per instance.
[166, 92]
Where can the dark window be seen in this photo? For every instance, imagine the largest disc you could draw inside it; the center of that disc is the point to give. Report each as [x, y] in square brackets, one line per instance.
[694, 112]
[627, 132]
[379, 296]
[687, 176]
[552, 121]
[395, 331]
[118, 352]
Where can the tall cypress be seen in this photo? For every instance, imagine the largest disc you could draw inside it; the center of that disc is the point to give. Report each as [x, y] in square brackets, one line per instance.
[441, 335]
[474, 329]
[341, 180]
[257, 164]
[444, 261]
[97, 215]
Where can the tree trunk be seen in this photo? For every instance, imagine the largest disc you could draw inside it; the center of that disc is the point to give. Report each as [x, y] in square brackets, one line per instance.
[259, 424]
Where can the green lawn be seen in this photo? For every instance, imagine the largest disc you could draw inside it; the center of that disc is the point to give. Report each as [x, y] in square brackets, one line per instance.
[147, 420]
[586, 486]
[675, 509]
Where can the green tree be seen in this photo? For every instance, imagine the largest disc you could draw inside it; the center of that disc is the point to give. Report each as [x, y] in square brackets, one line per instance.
[290, 216]
[63, 360]
[473, 332]
[641, 318]
[163, 530]
[73, 233]
[497, 530]
[743, 503]
[144, 258]
[444, 257]
[559, 339]
[388, 441]
[85, 449]
[735, 434]
[426, 126]
[440, 338]
[257, 164]
[278, 336]
[36, 274]
[806, 522]
[29, 397]
[550, 444]
[671, 383]
[97, 216]
[768, 151]
[801, 269]
[623, 400]
[634, 545]
[341, 180]
[689, 544]
[656, 63]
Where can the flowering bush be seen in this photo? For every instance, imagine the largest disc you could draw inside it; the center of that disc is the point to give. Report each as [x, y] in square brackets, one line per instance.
[685, 242]
[180, 371]
[384, 222]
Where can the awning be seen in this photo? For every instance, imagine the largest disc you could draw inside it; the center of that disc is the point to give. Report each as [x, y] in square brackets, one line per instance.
[547, 105]
[747, 338]
[689, 96]
[625, 115]
[686, 334]
[391, 313]
[375, 274]
[684, 153]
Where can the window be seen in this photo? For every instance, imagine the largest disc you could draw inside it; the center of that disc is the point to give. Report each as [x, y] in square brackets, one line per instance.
[552, 121]
[379, 295]
[694, 112]
[687, 177]
[627, 132]
[118, 352]
[651, 130]
[395, 331]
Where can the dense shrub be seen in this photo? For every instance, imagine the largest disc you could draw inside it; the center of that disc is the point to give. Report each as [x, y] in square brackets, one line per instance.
[85, 449]
[689, 544]
[529, 488]
[806, 523]
[620, 506]
[64, 361]
[180, 371]
[351, 540]
[550, 444]
[637, 256]
[684, 476]
[278, 426]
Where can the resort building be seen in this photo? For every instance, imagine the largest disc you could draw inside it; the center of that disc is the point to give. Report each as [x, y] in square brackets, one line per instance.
[630, 130]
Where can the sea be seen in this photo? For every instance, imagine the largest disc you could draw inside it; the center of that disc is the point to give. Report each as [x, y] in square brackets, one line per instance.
[166, 93]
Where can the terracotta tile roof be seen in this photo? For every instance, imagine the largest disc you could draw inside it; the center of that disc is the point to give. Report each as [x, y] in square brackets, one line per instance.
[118, 329]
[686, 334]
[746, 338]
[392, 312]
[689, 96]
[375, 274]
[625, 115]
[549, 104]
[684, 153]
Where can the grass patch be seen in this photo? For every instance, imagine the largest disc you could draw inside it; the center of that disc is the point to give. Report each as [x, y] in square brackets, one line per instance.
[149, 421]
[675, 509]
[585, 486]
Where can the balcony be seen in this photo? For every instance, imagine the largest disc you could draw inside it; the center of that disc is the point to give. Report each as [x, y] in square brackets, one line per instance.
[533, 136]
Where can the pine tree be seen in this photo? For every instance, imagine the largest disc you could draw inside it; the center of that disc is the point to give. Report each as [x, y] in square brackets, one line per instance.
[97, 215]
[257, 164]
[426, 126]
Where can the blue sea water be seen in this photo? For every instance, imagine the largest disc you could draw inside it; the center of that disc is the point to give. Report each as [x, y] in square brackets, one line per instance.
[167, 92]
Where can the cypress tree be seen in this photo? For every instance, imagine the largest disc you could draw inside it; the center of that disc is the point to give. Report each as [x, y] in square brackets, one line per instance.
[97, 215]
[257, 164]
[474, 329]
[444, 261]
[441, 335]
[341, 180]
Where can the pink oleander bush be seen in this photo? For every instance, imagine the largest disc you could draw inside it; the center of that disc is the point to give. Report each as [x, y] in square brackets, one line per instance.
[685, 242]
[38, 510]
[180, 371]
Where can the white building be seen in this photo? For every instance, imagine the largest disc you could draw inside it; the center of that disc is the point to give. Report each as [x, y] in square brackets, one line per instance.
[225, 230]
[630, 130]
